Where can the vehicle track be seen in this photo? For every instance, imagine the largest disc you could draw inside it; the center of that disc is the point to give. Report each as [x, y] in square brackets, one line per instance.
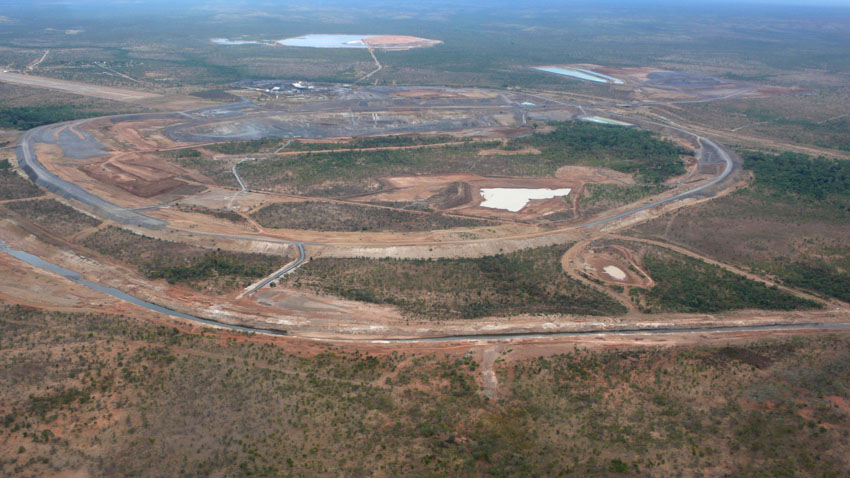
[76, 278]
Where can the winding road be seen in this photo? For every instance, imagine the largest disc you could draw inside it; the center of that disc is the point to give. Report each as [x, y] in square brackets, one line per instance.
[43, 177]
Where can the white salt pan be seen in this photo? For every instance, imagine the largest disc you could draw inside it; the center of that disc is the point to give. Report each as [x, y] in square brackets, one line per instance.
[514, 199]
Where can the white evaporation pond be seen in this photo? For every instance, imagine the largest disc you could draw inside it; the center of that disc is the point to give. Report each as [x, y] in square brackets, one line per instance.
[514, 199]
[326, 41]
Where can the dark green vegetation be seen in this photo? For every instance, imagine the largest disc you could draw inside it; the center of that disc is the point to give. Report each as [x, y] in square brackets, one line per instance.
[571, 143]
[185, 154]
[26, 117]
[53, 216]
[354, 172]
[831, 279]
[183, 263]
[603, 197]
[165, 400]
[225, 214]
[684, 284]
[530, 281]
[622, 149]
[799, 176]
[792, 223]
[328, 216]
[24, 108]
[14, 186]
[270, 145]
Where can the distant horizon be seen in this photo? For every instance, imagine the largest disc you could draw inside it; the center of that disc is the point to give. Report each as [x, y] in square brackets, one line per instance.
[462, 3]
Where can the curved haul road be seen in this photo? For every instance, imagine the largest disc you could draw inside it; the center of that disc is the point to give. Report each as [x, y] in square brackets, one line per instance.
[40, 175]
[75, 277]
[43, 177]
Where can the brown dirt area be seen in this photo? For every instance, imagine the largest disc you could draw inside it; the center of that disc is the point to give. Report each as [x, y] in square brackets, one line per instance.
[398, 42]
[611, 264]
[171, 103]
[422, 188]
[435, 93]
[143, 175]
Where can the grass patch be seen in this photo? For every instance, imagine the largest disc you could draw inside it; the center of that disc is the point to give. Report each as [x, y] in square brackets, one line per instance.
[530, 281]
[326, 216]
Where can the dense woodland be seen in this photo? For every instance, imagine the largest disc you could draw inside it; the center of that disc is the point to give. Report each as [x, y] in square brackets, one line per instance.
[26, 117]
[799, 174]
[627, 150]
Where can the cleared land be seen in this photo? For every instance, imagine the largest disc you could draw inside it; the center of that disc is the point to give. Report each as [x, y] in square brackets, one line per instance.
[109, 93]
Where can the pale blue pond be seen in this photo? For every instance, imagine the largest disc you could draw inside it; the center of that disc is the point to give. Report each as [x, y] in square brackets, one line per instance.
[226, 41]
[326, 41]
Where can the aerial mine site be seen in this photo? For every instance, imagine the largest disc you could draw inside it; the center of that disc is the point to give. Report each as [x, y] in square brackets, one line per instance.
[480, 240]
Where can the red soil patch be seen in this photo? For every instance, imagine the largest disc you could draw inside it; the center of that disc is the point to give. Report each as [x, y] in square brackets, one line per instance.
[141, 175]
[594, 261]
[839, 402]
[398, 42]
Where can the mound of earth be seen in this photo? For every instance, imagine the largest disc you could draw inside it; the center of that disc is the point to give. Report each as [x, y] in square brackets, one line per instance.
[454, 195]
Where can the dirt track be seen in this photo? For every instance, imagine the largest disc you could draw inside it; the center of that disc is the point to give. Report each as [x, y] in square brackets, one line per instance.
[371, 323]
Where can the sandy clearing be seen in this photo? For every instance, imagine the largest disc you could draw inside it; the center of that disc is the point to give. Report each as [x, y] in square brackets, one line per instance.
[145, 98]
[614, 272]
[105, 92]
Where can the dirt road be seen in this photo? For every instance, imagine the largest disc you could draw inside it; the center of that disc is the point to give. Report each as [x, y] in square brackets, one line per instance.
[105, 92]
